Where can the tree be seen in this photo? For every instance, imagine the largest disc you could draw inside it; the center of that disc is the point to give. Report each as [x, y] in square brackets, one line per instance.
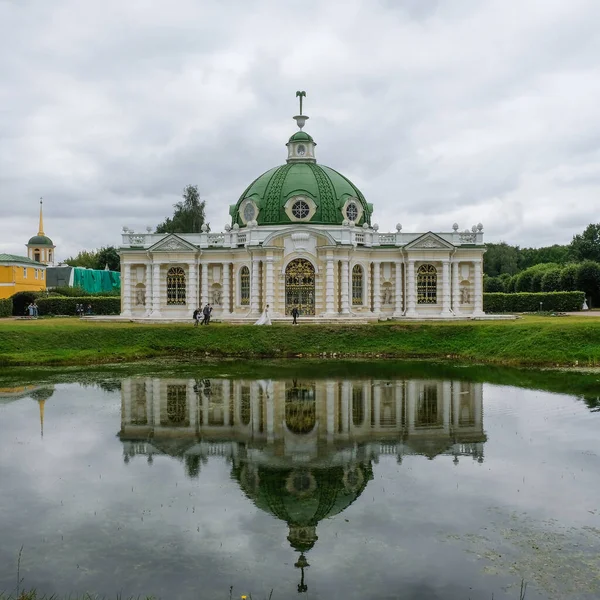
[97, 259]
[551, 280]
[85, 258]
[500, 258]
[588, 281]
[586, 246]
[492, 284]
[188, 216]
[568, 278]
[108, 255]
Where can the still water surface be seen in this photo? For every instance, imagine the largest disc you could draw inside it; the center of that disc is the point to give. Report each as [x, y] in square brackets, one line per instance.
[370, 488]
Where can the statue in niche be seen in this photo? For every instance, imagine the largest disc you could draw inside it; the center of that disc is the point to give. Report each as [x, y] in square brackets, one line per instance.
[217, 297]
[387, 295]
[465, 297]
[140, 297]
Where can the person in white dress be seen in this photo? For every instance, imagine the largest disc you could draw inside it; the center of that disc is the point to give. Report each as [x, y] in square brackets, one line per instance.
[265, 318]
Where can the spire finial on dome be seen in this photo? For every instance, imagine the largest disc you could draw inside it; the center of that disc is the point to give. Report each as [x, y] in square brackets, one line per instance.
[41, 227]
[301, 119]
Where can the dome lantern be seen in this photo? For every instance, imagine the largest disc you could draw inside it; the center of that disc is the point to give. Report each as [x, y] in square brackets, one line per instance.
[301, 146]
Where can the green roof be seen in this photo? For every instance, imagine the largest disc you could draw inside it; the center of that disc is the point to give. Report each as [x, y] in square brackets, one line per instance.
[327, 188]
[301, 136]
[22, 260]
[40, 240]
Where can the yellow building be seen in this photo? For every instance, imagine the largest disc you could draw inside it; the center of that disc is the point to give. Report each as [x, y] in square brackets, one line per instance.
[20, 274]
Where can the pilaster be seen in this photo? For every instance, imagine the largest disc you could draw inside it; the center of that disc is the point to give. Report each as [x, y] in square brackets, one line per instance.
[148, 284]
[411, 299]
[329, 281]
[126, 290]
[345, 291]
[398, 291]
[455, 289]
[192, 287]
[478, 303]
[269, 282]
[446, 288]
[226, 288]
[204, 285]
[254, 286]
[377, 288]
[156, 289]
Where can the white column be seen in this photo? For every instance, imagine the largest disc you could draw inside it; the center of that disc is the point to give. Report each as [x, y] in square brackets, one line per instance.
[411, 294]
[377, 288]
[192, 286]
[455, 404]
[478, 303]
[149, 401]
[126, 396]
[270, 410]
[204, 285]
[345, 416]
[345, 292]
[446, 288]
[377, 406]
[398, 291]
[446, 403]
[156, 398]
[330, 406]
[254, 408]
[192, 402]
[455, 289]
[148, 284]
[254, 289]
[155, 289]
[398, 397]
[126, 290]
[269, 282]
[411, 405]
[329, 278]
[226, 288]
[226, 390]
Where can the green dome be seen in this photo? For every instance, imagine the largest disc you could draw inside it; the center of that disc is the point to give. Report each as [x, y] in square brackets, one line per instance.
[327, 188]
[301, 136]
[40, 240]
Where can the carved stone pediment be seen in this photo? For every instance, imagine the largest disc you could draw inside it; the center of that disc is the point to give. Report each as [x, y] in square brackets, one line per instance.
[173, 243]
[429, 241]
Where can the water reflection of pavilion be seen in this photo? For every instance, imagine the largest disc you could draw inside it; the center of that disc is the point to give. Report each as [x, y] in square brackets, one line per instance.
[294, 419]
[300, 450]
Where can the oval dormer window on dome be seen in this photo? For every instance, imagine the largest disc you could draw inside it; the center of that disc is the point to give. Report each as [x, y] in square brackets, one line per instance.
[301, 150]
[352, 212]
[300, 209]
[249, 212]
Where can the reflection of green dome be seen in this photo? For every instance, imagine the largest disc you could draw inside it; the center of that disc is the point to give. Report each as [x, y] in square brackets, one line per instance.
[40, 240]
[303, 497]
[42, 394]
[327, 188]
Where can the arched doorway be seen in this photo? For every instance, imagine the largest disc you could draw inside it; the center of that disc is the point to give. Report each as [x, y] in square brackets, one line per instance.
[300, 287]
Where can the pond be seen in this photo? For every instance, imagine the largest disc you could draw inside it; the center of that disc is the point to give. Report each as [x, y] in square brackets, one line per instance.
[362, 482]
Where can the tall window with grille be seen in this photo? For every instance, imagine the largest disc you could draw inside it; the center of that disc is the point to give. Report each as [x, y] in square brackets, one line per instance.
[427, 285]
[176, 286]
[244, 286]
[176, 406]
[357, 285]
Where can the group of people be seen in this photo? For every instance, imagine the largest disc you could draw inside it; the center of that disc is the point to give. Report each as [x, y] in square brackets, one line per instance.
[80, 310]
[202, 317]
[32, 310]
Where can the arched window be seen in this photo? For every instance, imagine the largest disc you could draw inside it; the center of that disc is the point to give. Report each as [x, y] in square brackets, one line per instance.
[49, 255]
[427, 285]
[358, 406]
[176, 405]
[357, 285]
[36, 256]
[175, 286]
[244, 286]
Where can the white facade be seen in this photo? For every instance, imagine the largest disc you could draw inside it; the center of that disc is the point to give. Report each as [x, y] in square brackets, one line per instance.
[333, 272]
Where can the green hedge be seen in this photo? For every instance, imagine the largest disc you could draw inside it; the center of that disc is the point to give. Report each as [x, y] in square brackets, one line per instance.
[6, 307]
[63, 305]
[530, 302]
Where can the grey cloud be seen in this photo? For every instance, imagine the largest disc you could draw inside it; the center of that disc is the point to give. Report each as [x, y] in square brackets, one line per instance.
[463, 110]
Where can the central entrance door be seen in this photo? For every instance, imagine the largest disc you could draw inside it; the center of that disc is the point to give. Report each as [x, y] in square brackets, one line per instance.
[300, 287]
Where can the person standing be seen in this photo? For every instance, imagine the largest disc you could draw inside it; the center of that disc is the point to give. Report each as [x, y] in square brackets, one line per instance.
[209, 313]
[265, 318]
[295, 313]
[36, 311]
[206, 314]
[195, 317]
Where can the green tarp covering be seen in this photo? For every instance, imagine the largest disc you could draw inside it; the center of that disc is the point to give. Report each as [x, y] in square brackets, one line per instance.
[93, 281]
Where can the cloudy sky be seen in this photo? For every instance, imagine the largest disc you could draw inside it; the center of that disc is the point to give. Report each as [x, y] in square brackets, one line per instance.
[460, 111]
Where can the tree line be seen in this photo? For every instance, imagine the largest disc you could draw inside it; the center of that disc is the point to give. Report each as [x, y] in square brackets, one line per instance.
[570, 267]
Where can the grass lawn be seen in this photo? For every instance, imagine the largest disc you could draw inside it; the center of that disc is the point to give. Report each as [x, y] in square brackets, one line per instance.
[534, 341]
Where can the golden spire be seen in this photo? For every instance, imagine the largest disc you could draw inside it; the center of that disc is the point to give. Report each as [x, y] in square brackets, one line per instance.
[41, 403]
[41, 229]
